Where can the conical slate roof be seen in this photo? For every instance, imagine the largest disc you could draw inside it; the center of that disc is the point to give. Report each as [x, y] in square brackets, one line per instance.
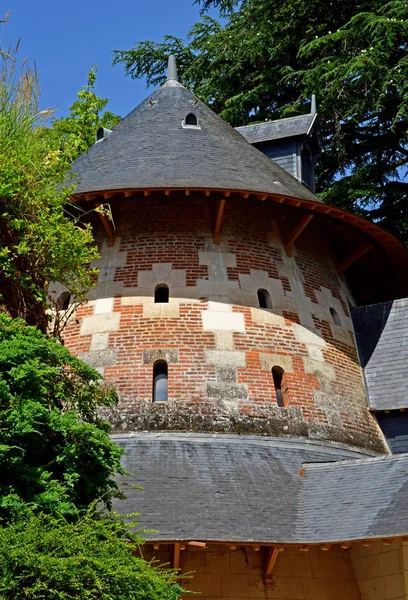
[150, 149]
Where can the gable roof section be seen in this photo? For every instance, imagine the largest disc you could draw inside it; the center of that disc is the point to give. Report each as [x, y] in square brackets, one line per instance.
[230, 488]
[150, 149]
[382, 339]
[279, 129]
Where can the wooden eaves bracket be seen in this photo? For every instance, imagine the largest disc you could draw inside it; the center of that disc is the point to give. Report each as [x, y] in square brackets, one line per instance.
[291, 237]
[347, 262]
[218, 220]
[107, 224]
[270, 563]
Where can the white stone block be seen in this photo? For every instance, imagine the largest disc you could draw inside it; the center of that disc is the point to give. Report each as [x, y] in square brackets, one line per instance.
[134, 299]
[306, 319]
[210, 289]
[226, 259]
[262, 316]
[247, 283]
[317, 367]
[105, 249]
[186, 293]
[219, 307]
[315, 353]
[224, 358]
[99, 341]
[103, 305]
[271, 360]
[260, 278]
[113, 260]
[223, 321]
[224, 340]
[100, 323]
[108, 289]
[308, 337]
[161, 310]
[177, 278]
[146, 279]
[161, 272]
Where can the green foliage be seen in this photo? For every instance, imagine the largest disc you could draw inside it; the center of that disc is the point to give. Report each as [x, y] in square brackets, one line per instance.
[55, 452]
[39, 242]
[47, 558]
[266, 59]
[77, 131]
[362, 72]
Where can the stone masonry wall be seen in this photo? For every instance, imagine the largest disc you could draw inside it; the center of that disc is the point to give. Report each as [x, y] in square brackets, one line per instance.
[219, 345]
[381, 570]
[218, 572]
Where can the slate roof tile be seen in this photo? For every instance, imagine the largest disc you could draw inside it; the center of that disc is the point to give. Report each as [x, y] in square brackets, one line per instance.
[150, 148]
[246, 488]
[382, 339]
[278, 129]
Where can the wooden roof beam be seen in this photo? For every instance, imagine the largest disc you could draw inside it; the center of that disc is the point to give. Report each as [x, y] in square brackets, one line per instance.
[270, 563]
[218, 221]
[295, 233]
[107, 224]
[176, 556]
[347, 262]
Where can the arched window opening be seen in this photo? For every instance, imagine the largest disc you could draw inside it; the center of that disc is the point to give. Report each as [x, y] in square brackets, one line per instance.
[160, 381]
[191, 120]
[264, 299]
[161, 294]
[277, 374]
[335, 317]
[63, 301]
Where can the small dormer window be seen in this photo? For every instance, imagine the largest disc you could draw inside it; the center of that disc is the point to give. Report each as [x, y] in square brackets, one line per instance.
[191, 122]
[102, 133]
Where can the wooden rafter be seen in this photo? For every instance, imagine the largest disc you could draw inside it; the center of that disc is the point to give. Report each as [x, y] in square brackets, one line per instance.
[218, 221]
[107, 225]
[176, 556]
[347, 262]
[270, 563]
[295, 233]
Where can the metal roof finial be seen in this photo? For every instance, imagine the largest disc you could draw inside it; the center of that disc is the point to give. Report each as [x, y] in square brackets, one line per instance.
[313, 108]
[172, 69]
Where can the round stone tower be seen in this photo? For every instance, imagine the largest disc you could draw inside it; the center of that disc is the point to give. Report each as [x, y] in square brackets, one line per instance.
[222, 302]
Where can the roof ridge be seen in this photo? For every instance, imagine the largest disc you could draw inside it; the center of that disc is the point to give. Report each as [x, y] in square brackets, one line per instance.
[276, 120]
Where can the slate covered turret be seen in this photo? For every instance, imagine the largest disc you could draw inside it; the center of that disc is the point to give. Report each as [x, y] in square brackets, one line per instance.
[222, 315]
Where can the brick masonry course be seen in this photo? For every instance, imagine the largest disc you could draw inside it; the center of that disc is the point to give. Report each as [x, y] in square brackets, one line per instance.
[213, 322]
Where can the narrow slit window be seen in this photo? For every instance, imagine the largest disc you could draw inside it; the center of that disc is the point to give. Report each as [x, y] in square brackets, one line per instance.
[264, 299]
[191, 120]
[335, 317]
[160, 381]
[277, 374]
[161, 294]
[63, 301]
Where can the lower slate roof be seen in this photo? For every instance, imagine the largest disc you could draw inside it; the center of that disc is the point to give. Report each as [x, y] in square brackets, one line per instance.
[382, 339]
[254, 489]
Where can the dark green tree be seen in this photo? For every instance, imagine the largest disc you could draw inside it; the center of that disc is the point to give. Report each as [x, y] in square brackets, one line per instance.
[47, 558]
[55, 452]
[264, 60]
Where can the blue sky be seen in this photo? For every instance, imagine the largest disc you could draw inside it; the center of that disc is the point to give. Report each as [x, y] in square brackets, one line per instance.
[65, 38]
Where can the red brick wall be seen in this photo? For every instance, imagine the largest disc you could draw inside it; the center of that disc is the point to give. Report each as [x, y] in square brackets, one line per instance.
[326, 401]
